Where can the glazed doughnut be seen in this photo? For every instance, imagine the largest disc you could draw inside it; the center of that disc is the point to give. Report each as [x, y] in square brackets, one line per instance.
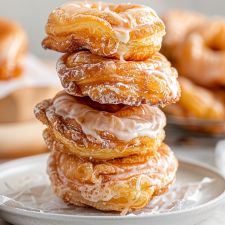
[118, 185]
[179, 23]
[124, 31]
[111, 81]
[88, 129]
[197, 102]
[13, 46]
[203, 54]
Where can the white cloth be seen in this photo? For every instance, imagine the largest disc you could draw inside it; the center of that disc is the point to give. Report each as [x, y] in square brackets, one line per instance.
[36, 74]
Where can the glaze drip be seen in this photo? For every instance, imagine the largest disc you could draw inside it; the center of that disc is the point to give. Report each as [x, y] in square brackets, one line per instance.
[150, 123]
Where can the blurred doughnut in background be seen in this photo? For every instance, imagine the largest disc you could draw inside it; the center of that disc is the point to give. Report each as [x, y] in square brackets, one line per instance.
[24, 80]
[13, 47]
[195, 44]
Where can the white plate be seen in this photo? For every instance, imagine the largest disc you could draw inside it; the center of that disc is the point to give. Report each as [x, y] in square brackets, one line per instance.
[209, 198]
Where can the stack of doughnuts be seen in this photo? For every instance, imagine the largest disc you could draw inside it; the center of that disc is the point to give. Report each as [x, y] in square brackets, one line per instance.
[105, 130]
[195, 46]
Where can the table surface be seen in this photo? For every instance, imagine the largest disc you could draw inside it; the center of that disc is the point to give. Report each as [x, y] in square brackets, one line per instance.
[195, 148]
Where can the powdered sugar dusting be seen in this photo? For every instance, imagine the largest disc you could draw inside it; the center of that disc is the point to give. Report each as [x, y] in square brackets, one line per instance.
[114, 81]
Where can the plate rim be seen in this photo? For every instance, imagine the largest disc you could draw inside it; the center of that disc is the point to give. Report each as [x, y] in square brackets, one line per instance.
[23, 212]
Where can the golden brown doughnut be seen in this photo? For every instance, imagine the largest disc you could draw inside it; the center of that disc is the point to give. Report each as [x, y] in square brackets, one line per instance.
[89, 129]
[13, 46]
[197, 102]
[202, 54]
[179, 23]
[129, 31]
[118, 185]
[110, 81]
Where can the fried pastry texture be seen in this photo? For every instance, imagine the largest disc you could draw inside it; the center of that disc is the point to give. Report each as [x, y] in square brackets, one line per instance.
[110, 81]
[88, 129]
[123, 31]
[122, 185]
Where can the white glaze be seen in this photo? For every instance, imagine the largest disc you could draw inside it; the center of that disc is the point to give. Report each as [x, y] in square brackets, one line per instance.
[126, 128]
[123, 34]
[100, 6]
[127, 20]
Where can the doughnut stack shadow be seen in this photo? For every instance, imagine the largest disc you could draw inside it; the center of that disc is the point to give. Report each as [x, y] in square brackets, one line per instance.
[105, 130]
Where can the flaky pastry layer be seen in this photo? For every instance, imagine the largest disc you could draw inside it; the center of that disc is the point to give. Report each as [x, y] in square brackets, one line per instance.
[109, 81]
[89, 129]
[128, 31]
[120, 185]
